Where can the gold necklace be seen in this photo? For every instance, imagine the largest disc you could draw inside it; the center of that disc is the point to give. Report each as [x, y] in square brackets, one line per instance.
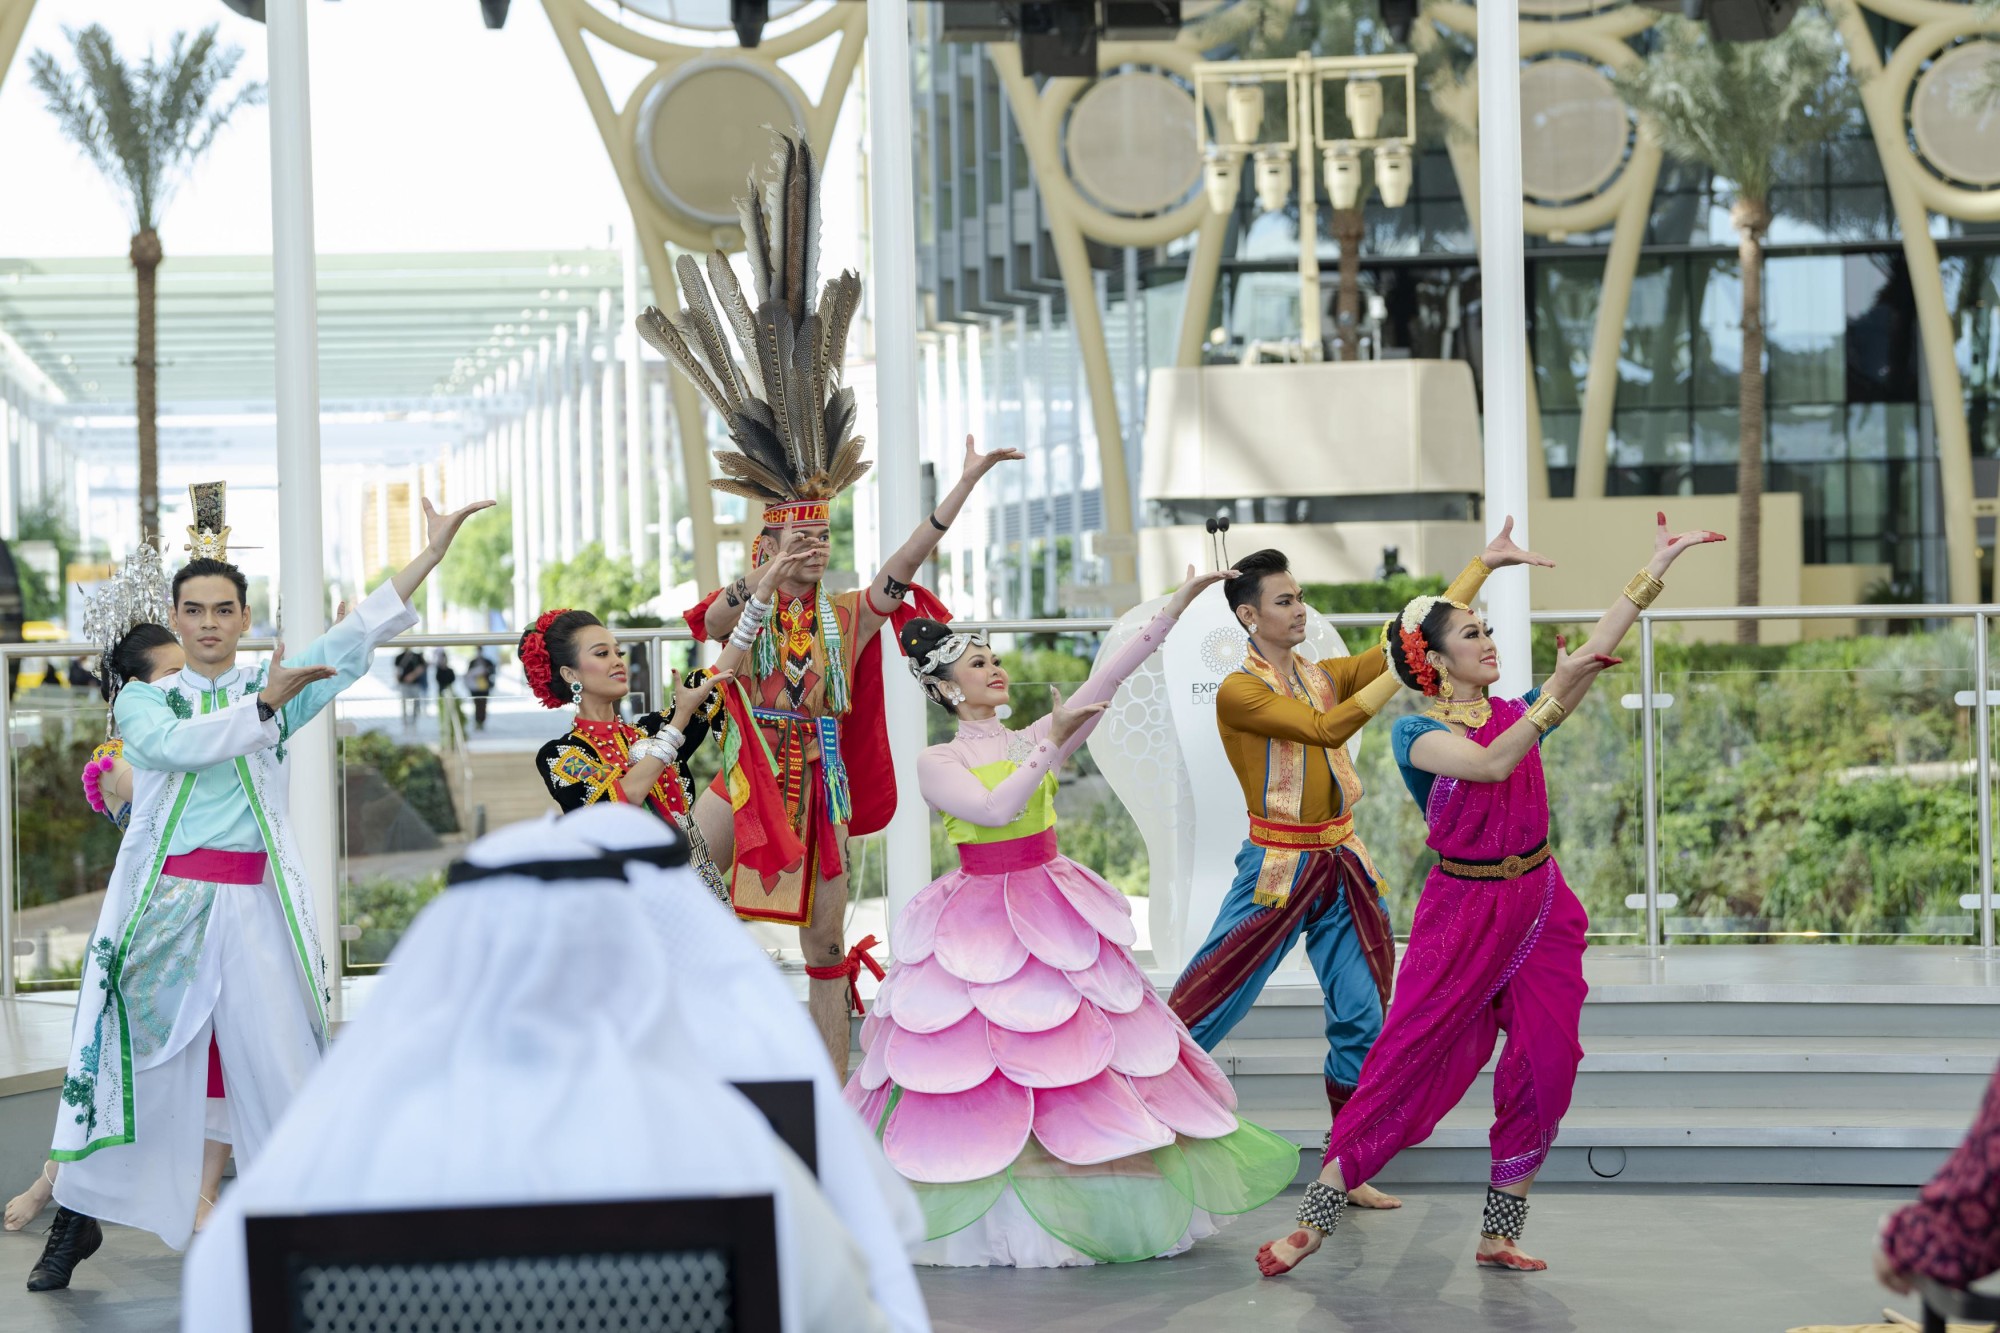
[1471, 714]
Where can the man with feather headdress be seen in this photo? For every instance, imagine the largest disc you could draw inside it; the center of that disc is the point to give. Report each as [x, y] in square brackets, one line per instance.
[809, 712]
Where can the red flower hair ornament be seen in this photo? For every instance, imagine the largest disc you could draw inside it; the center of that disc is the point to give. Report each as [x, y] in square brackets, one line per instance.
[1416, 655]
[535, 659]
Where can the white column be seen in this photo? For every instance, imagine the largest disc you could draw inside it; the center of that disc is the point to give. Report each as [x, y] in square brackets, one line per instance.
[638, 476]
[563, 388]
[301, 548]
[545, 459]
[609, 417]
[10, 496]
[661, 442]
[898, 467]
[587, 399]
[1503, 325]
[518, 489]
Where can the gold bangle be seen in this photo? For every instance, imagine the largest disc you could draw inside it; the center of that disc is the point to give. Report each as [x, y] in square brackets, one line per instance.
[1644, 588]
[1546, 713]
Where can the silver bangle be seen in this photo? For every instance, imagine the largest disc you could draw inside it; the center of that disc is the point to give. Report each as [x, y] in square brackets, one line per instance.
[673, 736]
[744, 636]
[652, 747]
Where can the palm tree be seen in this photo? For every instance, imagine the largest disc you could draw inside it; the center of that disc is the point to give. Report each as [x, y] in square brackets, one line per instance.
[1743, 110]
[1345, 28]
[144, 126]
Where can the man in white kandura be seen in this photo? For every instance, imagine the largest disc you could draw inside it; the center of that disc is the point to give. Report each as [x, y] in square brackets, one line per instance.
[520, 1049]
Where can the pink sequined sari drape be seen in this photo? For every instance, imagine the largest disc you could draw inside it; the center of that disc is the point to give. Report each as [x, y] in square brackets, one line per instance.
[1484, 957]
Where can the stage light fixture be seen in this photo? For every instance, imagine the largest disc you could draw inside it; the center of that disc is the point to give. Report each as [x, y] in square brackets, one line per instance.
[1343, 175]
[1274, 178]
[1399, 16]
[1364, 106]
[748, 17]
[1222, 178]
[1393, 174]
[1244, 103]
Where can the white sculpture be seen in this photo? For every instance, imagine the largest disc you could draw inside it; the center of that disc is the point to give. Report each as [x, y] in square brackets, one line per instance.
[1159, 749]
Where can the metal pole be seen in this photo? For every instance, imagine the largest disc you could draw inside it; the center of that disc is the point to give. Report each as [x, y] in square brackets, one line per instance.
[301, 548]
[1503, 323]
[1982, 736]
[635, 413]
[892, 215]
[1649, 783]
[7, 886]
[1312, 333]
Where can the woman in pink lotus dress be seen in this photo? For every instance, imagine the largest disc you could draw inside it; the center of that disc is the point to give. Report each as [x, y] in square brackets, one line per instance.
[1022, 1074]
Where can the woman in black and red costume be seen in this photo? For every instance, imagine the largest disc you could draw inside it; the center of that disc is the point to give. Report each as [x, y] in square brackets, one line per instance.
[572, 660]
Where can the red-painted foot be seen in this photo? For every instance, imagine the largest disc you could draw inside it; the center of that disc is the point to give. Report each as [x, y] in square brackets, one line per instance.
[1512, 1260]
[1272, 1263]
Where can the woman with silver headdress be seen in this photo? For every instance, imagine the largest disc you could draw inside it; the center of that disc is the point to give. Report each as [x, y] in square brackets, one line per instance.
[1047, 1108]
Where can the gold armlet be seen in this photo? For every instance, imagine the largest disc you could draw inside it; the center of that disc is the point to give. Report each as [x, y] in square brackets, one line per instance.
[1546, 712]
[1644, 588]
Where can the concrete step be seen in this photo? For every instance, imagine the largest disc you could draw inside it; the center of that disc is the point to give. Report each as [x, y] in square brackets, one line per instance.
[1706, 1145]
[1809, 1073]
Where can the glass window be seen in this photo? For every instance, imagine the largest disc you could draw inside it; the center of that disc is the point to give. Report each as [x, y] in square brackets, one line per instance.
[1655, 355]
[1566, 294]
[1882, 430]
[1718, 437]
[1651, 438]
[1815, 434]
[1805, 329]
[1882, 338]
[1717, 296]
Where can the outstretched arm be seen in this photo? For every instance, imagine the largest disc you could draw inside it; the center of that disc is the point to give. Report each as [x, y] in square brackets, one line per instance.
[893, 583]
[439, 529]
[1450, 755]
[1610, 629]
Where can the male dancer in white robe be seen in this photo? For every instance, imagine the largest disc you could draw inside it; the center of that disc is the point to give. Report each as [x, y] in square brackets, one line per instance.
[207, 925]
[519, 1049]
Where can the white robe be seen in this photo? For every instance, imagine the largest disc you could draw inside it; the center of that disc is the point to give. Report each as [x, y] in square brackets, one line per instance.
[748, 1026]
[519, 1049]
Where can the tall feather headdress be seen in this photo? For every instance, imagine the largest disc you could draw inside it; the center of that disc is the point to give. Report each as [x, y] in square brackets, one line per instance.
[136, 595]
[790, 419]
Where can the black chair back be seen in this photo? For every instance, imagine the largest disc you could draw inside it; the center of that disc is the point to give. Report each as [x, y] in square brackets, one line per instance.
[1943, 1304]
[704, 1265]
[788, 1104]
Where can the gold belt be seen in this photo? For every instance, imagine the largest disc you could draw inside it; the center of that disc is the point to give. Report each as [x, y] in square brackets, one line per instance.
[1507, 867]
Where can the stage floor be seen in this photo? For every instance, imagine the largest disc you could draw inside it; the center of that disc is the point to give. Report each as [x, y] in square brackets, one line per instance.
[1625, 1260]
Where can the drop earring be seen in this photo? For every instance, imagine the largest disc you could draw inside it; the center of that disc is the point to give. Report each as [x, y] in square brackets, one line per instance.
[1444, 687]
[576, 692]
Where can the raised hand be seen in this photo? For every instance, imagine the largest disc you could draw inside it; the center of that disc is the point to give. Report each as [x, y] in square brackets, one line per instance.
[978, 465]
[1502, 552]
[691, 699]
[788, 566]
[1667, 547]
[1064, 720]
[1573, 675]
[440, 529]
[1193, 586]
[283, 683]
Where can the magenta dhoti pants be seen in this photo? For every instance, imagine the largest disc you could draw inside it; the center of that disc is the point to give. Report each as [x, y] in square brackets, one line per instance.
[1484, 957]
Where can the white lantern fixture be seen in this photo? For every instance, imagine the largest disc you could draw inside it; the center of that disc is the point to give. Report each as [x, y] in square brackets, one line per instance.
[1343, 175]
[1364, 106]
[1274, 178]
[1222, 178]
[1392, 173]
[1244, 109]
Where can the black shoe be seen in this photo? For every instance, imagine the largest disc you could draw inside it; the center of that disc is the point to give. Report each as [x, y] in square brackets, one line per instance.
[72, 1239]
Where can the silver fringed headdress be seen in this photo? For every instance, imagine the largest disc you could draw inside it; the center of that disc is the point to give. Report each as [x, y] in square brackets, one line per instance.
[939, 660]
[136, 595]
[788, 417]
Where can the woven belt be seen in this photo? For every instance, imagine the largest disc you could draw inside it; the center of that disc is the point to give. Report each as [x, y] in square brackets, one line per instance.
[1507, 867]
[1280, 836]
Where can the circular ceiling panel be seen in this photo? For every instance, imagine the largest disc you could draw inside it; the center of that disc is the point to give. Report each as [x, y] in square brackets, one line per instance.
[1131, 144]
[1958, 137]
[1574, 130]
[702, 15]
[705, 128]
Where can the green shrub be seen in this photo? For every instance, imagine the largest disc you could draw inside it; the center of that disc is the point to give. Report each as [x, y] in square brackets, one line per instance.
[413, 771]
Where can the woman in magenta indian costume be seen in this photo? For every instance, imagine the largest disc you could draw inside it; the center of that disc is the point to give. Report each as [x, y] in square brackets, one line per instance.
[1020, 1070]
[1496, 944]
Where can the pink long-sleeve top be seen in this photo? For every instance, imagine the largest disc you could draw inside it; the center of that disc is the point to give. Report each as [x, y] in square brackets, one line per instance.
[948, 774]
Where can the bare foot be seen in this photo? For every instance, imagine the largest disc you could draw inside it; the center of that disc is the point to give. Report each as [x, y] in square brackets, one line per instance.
[1367, 1196]
[1282, 1256]
[26, 1206]
[1506, 1254]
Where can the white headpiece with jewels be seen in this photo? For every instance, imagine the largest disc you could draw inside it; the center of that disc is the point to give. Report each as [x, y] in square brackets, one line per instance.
[208, 535]
[950, 648]
[136, 595]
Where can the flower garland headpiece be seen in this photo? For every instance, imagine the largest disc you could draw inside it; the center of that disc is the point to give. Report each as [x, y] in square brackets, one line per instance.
[1414, 646]
[535, 659]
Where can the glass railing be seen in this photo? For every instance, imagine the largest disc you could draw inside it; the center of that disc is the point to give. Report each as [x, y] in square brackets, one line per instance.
[1819, 790]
